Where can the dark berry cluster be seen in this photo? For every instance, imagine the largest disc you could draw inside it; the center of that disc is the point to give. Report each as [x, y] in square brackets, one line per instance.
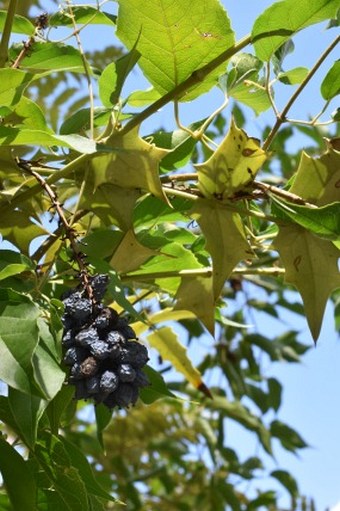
[101, 350]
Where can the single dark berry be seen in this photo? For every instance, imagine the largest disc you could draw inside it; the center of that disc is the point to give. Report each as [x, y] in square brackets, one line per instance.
[126, 395]
[123, 326]
[86, 338]
[100, 349]
[135, 354]
[74, 355]
[68, 339]
[81, 390]
[108, 382]
[93, 385]
[126, 373]
[78, 307]
[76, 373]
[141, 379]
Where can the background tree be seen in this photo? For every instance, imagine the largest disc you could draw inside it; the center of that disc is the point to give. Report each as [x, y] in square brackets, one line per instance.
[198, 228]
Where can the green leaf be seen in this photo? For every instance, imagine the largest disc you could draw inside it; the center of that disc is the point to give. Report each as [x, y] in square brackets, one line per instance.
[13, 82]
[20, 24]
[107, 84]
[45, 56]
[166, 342]
[330, 86]
[47, 373]
[283, 19]
[157, 388]
[28, 115]
[232, 166]
[236, 411]
[124, 66]
[84, 14]
[80, 462]
[18, 339]
[323, 221]
[18, 479]
[57, 407]
[225, 239]
[13, 263]
[289, 438]
[15, 136]
[196, 294]
[80, 120]
[103, 418]
[142, 98]
[180, 45]
[26, 410]
[287, 480]
[275, 392]
[293, 76]
[243, 82]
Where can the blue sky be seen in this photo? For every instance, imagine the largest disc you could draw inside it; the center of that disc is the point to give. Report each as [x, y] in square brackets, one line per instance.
[311, 389]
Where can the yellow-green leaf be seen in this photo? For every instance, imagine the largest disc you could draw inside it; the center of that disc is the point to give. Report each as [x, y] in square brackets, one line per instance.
[130, 162]
[233, 165]
[130, 254]
[196, 294]
[17, 228]
[169, 347]
[225, 239]
[311, 265]
[318, 179]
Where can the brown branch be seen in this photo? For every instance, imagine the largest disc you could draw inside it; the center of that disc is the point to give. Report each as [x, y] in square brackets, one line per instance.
[70, 233]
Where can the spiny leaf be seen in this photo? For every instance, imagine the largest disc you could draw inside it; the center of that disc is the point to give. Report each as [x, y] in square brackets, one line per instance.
[317, 180]
[167, 344]
[283, 19]
[196, 294]
[226, 241]
[232, 166]
[130, 162]
[311, 265]
[184, 41]
[130, 254]
[17, 227]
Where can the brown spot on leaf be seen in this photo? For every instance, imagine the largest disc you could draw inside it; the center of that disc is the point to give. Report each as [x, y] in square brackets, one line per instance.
[248, 152]
[297, 262]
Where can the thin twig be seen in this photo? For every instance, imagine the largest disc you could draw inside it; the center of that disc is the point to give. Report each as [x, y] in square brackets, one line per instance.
[291, 197]
[281, 118]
